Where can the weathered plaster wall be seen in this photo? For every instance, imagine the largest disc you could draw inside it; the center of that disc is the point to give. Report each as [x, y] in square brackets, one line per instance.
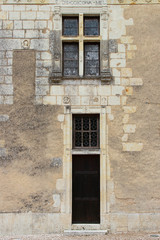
[136, 174]
[29, 167]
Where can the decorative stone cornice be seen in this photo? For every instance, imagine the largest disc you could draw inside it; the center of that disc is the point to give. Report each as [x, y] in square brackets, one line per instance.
[81, 3]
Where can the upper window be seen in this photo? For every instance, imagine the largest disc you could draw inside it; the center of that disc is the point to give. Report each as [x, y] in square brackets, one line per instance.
[91, 26]
[70, 26]
[81, 46]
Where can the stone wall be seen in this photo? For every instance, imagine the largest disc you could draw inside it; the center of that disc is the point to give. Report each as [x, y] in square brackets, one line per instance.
[36, 123]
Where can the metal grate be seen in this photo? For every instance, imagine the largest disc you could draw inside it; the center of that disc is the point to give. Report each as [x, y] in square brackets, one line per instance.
[86, 131]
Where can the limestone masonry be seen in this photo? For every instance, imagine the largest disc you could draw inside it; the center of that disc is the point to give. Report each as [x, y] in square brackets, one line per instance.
[37, 103]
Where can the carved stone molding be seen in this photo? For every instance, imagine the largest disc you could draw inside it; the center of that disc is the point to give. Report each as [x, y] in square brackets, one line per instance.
[55, 44]
[66, 100]
[105, 78]
[80, 3]
[26, 44]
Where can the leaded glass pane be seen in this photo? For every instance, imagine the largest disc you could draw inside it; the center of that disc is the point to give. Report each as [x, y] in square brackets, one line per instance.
[70, 64]
[70, 59]
[92, 64]
[70, 26]
[70, 72]
[92, 59]
[91, 26]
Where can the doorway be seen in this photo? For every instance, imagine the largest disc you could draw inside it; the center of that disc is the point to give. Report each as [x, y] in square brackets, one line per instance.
[85, 189]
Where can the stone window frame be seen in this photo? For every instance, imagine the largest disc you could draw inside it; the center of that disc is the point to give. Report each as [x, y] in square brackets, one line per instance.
[56, 40]
[81, 39]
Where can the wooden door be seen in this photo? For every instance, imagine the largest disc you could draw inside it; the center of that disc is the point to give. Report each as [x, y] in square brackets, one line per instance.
[86, 189]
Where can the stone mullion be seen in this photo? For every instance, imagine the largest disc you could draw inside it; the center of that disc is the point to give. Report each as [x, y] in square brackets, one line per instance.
[81, 55]
[104, 50]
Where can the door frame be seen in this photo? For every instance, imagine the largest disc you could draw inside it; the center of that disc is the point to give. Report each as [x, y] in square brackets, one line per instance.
[104, 159]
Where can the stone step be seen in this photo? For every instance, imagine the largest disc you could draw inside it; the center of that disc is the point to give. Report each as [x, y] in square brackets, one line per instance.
[84, 232]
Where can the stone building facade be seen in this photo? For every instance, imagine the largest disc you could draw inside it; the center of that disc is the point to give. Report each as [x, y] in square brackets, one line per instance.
[37, 105]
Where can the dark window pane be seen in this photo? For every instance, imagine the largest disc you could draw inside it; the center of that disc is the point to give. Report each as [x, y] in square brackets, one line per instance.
[86, 139]
[93, 139]
[91, 26]
[92, 64]
[70, 59]
[92, 47]
[91, 55]
[92, 71]
[70, 64]
[86, 123]
[70, 26]
[70, 72]
[78, 123]
[91, 32]
[70, 47]
[71, 55]
[78, 139]
[93, 123]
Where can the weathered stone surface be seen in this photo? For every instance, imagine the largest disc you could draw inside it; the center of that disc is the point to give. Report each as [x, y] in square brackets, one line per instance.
[6, 89]
[126, 72]
[8, 100]
[130, 109]
[57, 90]
[56, 162]
[87, 90]
[4, 118]
[113, 46]
[129, 128]
[2, 152]
[42, 44]
[51, 100]
[42, 89]
[132, 147]
[9, 44]
[113, 100]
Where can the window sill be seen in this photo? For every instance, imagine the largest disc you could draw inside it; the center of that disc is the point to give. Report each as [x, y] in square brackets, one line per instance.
[105, 79]
[85, 151]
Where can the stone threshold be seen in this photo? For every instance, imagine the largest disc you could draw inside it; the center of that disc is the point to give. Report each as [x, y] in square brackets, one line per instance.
[85, 232]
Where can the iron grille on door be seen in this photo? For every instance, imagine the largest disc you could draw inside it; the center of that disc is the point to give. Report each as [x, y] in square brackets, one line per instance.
[86, 131]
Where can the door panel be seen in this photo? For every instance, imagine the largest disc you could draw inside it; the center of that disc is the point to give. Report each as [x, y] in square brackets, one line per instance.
[86, 189]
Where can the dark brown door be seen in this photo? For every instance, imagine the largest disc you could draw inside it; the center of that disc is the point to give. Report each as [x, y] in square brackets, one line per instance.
[86, 189]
